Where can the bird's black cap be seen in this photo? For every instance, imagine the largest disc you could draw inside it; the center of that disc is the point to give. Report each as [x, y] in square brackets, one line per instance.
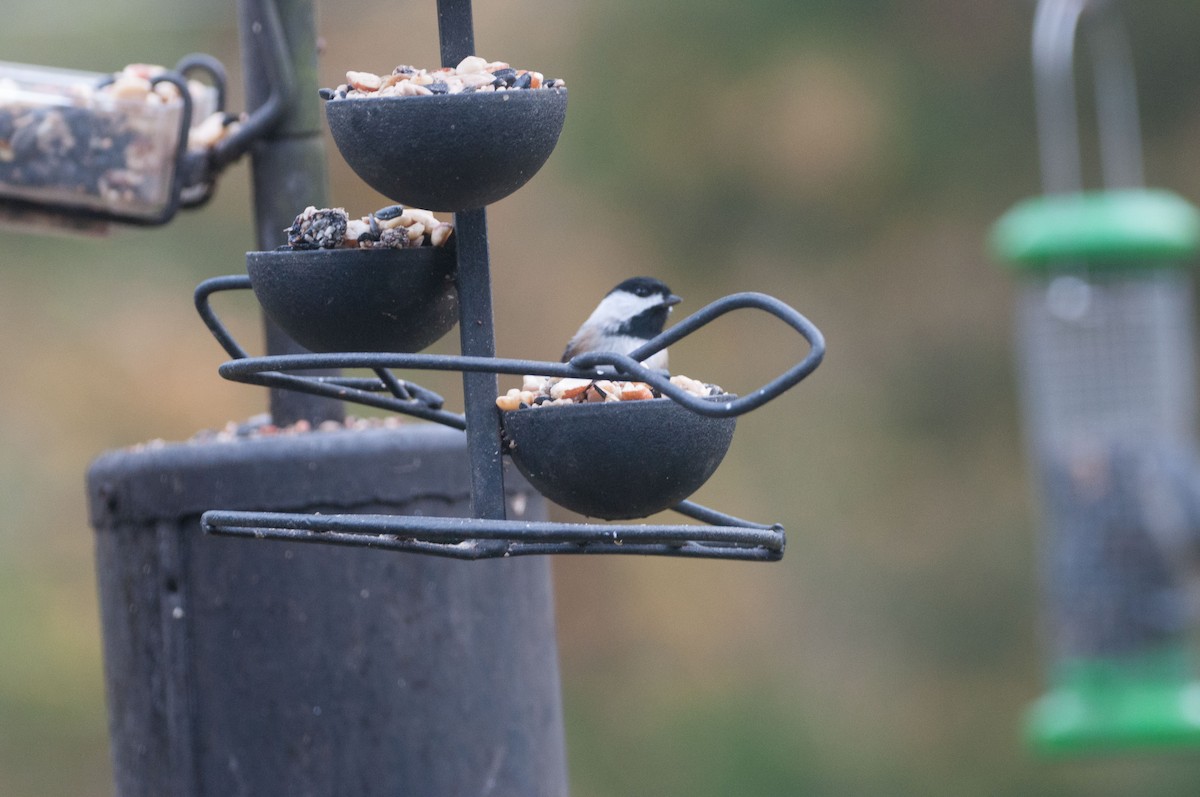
[647, 286]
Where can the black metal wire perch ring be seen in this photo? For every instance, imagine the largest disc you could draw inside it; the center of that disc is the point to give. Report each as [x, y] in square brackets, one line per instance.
[631, 365]
[407, 398]
[266, 371]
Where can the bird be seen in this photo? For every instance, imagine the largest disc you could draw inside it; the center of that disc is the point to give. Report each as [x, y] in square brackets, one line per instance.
[628, 316]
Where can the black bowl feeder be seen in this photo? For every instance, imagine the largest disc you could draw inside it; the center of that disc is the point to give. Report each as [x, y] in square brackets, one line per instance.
[448, 152]
[619, 460]
[358, 300]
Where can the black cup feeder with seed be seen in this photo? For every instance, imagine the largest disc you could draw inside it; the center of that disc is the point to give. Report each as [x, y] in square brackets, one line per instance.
[331, 300]
[617, 461]
[75, 159]
[448, 152]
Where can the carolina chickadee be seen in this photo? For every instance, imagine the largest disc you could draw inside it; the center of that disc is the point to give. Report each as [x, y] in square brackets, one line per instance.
[628, 316]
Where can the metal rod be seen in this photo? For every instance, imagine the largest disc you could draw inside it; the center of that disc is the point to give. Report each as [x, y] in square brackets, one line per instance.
[397, 388]
[288, 161]
[204, 62]
[476, 550]
[1056, 25]
[711, 516]
[476, 331]
[477, 337]
[451, 529]
[475, 538]
[205, 290]
[336, 388]
[455, 30]
[1116, 102]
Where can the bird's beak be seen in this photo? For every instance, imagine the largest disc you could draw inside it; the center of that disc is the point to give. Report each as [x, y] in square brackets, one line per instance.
[672, 300]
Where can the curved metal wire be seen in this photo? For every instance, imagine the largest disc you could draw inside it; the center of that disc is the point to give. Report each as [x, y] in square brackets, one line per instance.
[268, 371]
[406, 397]
[1056, 24]
[631, 365]
[211, 66]
[199, 179]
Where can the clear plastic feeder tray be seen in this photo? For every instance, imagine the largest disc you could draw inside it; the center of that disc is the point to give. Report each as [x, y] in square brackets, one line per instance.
[68, 143]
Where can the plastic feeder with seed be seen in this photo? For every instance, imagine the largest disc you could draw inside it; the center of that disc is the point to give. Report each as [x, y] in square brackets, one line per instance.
[81, 150]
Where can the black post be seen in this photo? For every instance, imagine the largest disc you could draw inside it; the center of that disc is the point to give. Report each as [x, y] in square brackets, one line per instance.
[288, 164]
[242, 667]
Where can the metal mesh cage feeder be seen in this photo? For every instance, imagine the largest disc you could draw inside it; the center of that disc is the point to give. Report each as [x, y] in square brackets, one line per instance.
[1104, 339]
[1105, 353]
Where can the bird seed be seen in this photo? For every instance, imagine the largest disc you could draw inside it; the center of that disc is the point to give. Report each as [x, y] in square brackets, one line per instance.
[473, 74]
[544, 391]
[392, 227]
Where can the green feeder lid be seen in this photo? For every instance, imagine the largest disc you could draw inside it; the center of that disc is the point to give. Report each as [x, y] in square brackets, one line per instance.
[1107, 705]
[1108, 228]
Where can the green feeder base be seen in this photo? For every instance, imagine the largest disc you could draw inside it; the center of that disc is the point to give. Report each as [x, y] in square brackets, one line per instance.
[1107, 705]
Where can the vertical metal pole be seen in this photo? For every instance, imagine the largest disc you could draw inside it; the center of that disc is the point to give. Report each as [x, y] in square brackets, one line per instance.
[456, 30]
[1116, 103]
[476, 329]
[479, 389]
[1054, 26]
[287, 165]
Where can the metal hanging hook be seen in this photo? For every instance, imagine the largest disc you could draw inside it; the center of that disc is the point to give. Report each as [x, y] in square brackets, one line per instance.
[1056, 25]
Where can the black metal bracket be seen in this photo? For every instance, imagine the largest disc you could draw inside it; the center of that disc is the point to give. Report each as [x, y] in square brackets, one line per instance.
[282, 81]
[485, 538]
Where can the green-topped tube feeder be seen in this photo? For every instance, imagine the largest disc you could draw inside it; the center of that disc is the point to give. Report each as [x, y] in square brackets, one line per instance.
[1105, 331]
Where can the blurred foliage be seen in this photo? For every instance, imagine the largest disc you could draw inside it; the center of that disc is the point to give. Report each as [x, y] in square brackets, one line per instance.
[846, 157]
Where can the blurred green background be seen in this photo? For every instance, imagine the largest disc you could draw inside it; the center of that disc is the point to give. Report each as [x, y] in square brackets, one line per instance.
[845, 157]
